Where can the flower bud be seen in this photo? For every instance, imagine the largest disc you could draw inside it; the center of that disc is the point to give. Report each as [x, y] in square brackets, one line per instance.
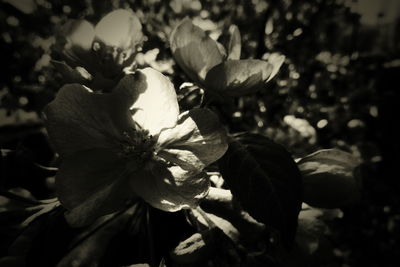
[217, 68]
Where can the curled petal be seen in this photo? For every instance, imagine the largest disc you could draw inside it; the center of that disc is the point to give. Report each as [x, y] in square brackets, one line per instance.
[240, 77]
[197, 141]
[169, 188]
[90, 184]
[78, 119]
[156, 106]
[276, 60]
[194, 50]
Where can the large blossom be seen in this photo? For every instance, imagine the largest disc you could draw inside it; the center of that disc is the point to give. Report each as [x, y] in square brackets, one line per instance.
[130, 143]
[102, 50]
[217, 69]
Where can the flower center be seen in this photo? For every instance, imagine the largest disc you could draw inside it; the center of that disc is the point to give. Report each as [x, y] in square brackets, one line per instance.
[137, 146]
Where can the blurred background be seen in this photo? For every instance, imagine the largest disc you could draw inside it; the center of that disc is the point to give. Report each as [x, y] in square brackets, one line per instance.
[337, 88]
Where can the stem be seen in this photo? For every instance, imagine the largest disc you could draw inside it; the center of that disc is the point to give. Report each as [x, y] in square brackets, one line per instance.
[150, 239]
[219, 194]
[210, 223]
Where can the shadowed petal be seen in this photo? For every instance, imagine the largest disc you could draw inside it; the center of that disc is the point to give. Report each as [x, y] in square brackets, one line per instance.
[197, 141]
[76, 39]
[78, 119]
[156, 107]
[194, 50]
[169, 189]
[90, 184]
[240, 77]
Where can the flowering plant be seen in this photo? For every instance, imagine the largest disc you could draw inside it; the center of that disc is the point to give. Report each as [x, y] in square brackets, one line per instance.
[130, 143]
[218, 69]
[135, 165]
[96, 55]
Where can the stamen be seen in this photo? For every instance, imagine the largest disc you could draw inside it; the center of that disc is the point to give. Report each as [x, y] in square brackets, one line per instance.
[137, 144]
[96, 46]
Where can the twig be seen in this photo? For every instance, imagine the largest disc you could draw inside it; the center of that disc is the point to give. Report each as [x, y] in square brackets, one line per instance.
[203, 214]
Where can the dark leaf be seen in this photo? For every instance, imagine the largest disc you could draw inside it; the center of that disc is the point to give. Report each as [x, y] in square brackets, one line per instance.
[264, 178]
[90, 251]
[220, 207]
[329, 179]
[49, 242]
[146, 239]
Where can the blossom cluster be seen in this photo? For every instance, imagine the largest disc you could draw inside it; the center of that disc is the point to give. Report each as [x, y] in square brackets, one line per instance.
[119, 130]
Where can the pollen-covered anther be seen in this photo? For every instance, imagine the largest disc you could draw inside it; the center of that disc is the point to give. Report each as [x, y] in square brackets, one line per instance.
[96, 46]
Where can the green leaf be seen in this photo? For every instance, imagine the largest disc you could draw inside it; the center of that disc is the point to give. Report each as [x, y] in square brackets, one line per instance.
[264, 178]
[329, 179]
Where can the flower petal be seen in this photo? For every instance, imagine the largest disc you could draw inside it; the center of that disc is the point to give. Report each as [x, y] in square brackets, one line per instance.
[169, 189]
[78, 119]
[240, 77]
[194, 50]
[276, 60]
[156, 107]
[197, 141]
[235, 45]
[116, 38]
[75, 42]
[119, 28]
[90, 184]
